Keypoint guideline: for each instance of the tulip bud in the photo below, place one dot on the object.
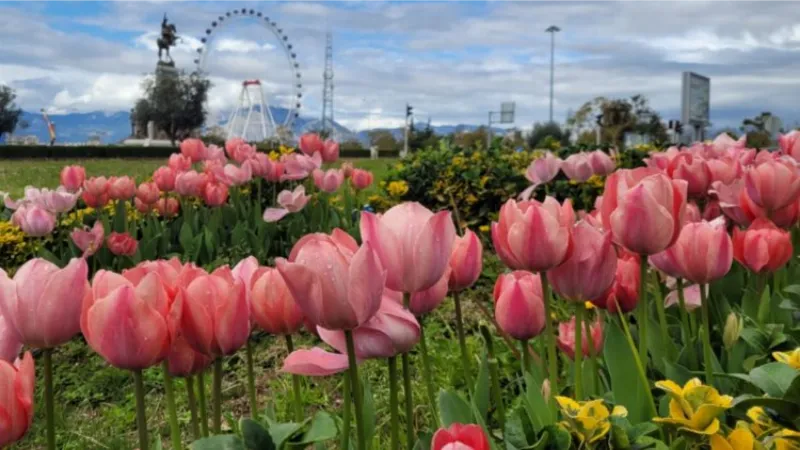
(546, 390)
(732, 330)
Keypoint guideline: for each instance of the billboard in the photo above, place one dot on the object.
(507, 112)
(695, 99)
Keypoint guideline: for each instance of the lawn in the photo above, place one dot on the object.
(16, 174)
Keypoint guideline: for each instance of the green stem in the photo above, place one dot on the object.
(593, 365)
(494, 373)
(216, 395)
(550, 336)
(639, 366)
(393, 403)
(426, 372)
(50, 417)
(526, 357)
(141, 418)
(641, 318)
(462, 342)
(409, 402)
(298, 399)
(251, 381)
(356, 387)
(579, 351)
(191, 398)
(172, 414)
(662, 317)
(687, 329)
(706, 337)
(201, 391)
(346, 413)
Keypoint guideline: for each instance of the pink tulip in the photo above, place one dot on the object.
(337, 284)
(16, 399)
(361, 179)
(72, 177)
(704, 251)
(183, 360)
(735, 203)
(725, 170)
(215, 154)
(691, 297)
(578, 167)
(347, 169)
(172, 272)
(543, 170)
(290, 202)
(533, 236)
(298, 166)
(95, 192)
(692, 213)
(315, 362)
(466, 261)
(168, 207)
(329, 180)
(519, 304)
(694, 171)
(34, 220)
(121, 188)
(660, 161)
(43, 303)
(10, 344)
(311, 143)
(179, 162)
(236, 176)
(763, 247)
(215, 194)
(601, 163)
(214, 313)
(624, 293)
(644, 210)
(259, 163)
(191, 184)
(58, 201)
(272, 305)
(143, 208)
(773, 184)
(122, 244)
(566, 338)
(724, 142)
(330, 150)
(274, 171)
(148, 193)
(241, 152)
(789, 144)
(460, 437)
(423, 302)
(590, 269)
(164, 178)
(195, 149)
(126, 322)
(414, 244)
(712, 210)
(89, 240)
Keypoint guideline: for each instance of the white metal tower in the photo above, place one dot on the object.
(252, 119)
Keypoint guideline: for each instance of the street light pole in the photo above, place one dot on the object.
(552, 29)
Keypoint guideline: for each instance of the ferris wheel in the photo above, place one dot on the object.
(277, 128)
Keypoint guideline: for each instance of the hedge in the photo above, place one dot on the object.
(103, 151)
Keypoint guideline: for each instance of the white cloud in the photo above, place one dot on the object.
(240, 46)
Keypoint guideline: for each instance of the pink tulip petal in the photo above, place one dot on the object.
(306, 288)
(366, 282)
(314, 363)
(388, 247)
(432, 249)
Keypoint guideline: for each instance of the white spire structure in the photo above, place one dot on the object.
(252, 119)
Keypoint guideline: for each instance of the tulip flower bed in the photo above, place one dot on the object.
(664, 317)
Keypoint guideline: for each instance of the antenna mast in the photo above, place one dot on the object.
(327, 90)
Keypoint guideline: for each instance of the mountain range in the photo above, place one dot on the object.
(111, 128)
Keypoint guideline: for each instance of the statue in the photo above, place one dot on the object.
(169, 38)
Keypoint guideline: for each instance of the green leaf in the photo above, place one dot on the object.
(793, 288)
(773, 378)
(658, 349)
(226, 442)
(625, 383)
(454, 409)
(368, 411)
(322, 428)
(424, 442)
(281, 432)
(561, 439)
(677, 373)
(782, 407)
(649, 442)
(120, 217)
(256, 437)
(792, 393)
(186, 238)
(514, 433)
(535, 404)
(481, 395)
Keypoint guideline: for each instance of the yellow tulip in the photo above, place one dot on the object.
(740, 438)
(694, 407)
(588, 421)
(791, 358)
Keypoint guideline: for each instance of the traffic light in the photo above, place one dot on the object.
(409, 110)
(599, 120)
(678, 127)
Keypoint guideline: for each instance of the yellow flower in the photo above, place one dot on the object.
(791, 358)
(588, 305)
(695, 407)
(274, 156)
(484, 228)
(471, 199)
(397, 188)
(596, 181)
(741, 438)
(588, 421)
(786, 440)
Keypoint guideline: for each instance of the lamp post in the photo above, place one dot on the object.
(552, 29)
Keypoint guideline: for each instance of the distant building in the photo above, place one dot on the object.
(23, 140)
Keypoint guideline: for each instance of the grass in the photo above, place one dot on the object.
(95, 406)
(16, 174)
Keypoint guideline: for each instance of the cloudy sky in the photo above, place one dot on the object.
(453, 61)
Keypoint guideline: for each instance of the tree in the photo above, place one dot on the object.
(756, 129)
(618, 116)
(174, 102)
(538, 137)
(421, 138)
(470, 139)
(384, 140)
(9, 112)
